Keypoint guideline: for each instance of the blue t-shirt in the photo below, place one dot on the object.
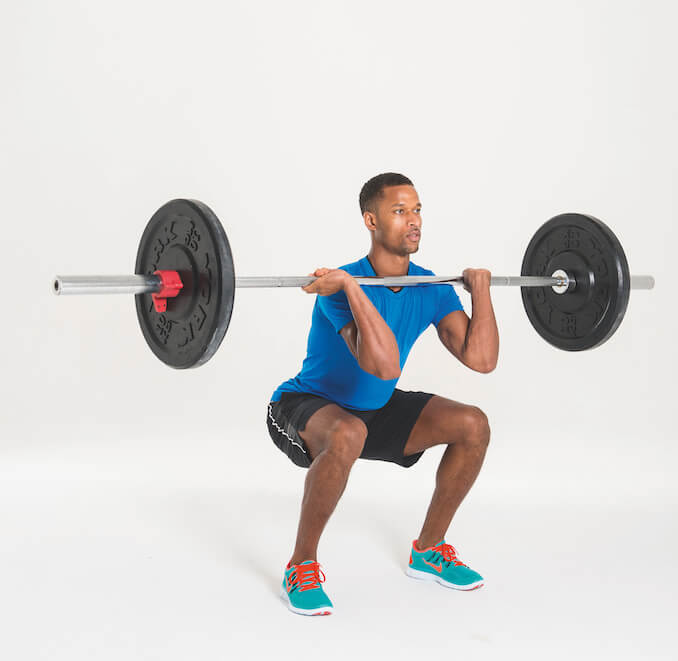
(330, 369)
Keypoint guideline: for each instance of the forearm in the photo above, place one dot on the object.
(376, 344)
(481, 346)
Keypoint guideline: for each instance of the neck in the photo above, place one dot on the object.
(386, 264)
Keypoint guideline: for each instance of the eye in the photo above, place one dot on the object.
(398, 210)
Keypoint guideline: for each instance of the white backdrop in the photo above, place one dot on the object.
(274, 114)
(503, 114)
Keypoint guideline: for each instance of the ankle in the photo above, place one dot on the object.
(423, 543)
(298, 558)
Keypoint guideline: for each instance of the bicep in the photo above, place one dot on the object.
(350, 334)
(452, 332)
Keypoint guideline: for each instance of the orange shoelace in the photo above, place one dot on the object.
(305, 577)
(449, 554)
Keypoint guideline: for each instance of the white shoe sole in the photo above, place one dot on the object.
(426, 576)
(324, 610)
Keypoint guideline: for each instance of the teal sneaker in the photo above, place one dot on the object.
(302, 592)
(440, 563)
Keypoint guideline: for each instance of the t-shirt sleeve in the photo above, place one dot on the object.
(336, 308)
(448, 301)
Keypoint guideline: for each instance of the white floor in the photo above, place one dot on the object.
(104, 557)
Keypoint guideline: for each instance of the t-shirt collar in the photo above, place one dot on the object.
(369, 271)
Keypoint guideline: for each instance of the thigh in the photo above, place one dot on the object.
(441, 421)
(390, 427)
(325, 422)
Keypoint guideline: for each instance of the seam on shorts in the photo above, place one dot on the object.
(282, 431)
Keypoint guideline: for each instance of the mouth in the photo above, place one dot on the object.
(414, 236)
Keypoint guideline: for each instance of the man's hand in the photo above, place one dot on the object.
(329, 281)
(475, 279)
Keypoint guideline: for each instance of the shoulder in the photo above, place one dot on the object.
(354, 268)
(415, 269)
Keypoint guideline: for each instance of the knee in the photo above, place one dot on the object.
(346, 439)
(477, 428)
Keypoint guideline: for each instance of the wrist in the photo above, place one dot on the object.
(349, 282)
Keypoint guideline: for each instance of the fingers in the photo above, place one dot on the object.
(465, 275)
(318, 273)
(475, 278)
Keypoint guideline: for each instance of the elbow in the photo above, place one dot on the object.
(384, 369)
(482, 365)
(387, 375)
(485, 369)
(483, 362)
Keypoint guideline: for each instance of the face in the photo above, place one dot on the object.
(396, 224)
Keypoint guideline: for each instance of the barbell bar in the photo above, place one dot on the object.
(69, 285)
(574, 282)
(144, 284)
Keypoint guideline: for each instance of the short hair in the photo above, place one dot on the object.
(374, 188)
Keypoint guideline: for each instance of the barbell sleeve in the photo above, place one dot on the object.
(642, 282)
(106, 284)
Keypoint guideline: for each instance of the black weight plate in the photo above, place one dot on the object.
(186, 236)
(587, 249)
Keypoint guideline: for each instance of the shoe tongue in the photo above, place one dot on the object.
(305, 562)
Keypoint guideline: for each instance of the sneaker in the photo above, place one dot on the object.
(440, 563)
(301, 589)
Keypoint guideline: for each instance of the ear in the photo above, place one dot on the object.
(370, 220)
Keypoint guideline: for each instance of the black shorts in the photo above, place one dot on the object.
(388, 428)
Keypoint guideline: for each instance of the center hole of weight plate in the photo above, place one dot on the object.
(562, 289)
(573, 264)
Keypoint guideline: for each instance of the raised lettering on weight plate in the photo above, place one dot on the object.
(164, 328)
(544, 253)
(189, 335)
(548, 314)
(199, 317)
(568, 324)
(538, 296)
(162, 241)
(597, 258)
(206, 289)
(571, 239)
(192, 237)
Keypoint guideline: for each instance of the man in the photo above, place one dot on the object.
(344, 405)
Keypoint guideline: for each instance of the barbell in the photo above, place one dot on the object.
(574, 281)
